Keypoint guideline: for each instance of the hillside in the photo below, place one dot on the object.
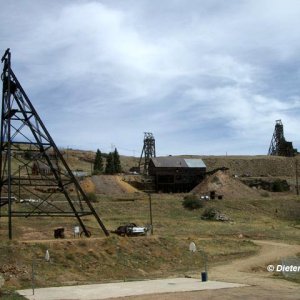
(253, 214)
(83, 260)
(254, 166)
(84, 160)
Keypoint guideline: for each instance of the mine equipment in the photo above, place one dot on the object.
(279, 146)
(59, 233)
(31, 165)
(148, 151)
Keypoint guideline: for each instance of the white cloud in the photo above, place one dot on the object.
(186, 71)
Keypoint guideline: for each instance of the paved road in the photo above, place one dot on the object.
(123, 289)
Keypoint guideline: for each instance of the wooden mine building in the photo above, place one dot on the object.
(41, 168)
(176, 174)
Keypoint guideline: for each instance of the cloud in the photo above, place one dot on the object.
(202, 76)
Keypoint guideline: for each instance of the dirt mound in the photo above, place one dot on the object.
(224, 184)
(88, 185)
(111, 184)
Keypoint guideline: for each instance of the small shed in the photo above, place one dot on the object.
(176, 174)
(80, 173)
(41, 168)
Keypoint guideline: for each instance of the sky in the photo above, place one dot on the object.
(206, 77)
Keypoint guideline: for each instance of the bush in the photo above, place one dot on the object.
(280, 186)
(97, 172)
(210, 214)
(92, 197)
(265, 194)
(70, 256)
(82, 243)
(192, 202)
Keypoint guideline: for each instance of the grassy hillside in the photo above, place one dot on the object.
(164, 254)
(258, 215)
(251, 165)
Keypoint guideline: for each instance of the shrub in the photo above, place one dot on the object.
(265, 194)
(82, 243)
(192, 202)
(70, 256)
(97, 172)
(92, 197)
(210, 213)
(280, 186)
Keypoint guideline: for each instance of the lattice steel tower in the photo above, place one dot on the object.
(279, 146)
(148, 151)
(31, 165)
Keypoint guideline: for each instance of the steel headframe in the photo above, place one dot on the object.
(279, 146)
(148, 151)
(31, 164)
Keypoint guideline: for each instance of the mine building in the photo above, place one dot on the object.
(176, 174)
(41, 168)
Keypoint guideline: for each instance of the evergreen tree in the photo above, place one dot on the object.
(109, 168)
(98, 163)
(117, 163)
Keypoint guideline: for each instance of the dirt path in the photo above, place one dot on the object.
(262, 285)
(252, 270)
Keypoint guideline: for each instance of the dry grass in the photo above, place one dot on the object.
(99, 258)
(164, 254)
(114, 258)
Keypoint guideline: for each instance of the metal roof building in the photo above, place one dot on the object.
(39, 167)
(177, 162)
(176, 174)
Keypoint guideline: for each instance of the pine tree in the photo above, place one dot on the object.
(117, 163)
(109, 168)
(98, 163)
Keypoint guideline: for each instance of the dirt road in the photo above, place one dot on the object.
(252, 271)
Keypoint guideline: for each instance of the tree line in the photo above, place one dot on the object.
(112, 166)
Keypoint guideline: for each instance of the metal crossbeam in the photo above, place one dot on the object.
(30, 161)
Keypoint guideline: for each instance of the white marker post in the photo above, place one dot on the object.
(47, 256)
(76, 231)
(193, 247)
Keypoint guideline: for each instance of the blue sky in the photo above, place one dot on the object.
(206, 77)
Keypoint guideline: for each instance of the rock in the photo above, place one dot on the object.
(214, 214)
(222, 217)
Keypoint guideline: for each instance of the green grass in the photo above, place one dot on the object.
(10, 295)
(256, 218)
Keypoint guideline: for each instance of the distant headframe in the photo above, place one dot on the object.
(279, 146)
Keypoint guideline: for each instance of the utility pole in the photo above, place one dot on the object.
(19, 191)
(297, 183)
(150, 208)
